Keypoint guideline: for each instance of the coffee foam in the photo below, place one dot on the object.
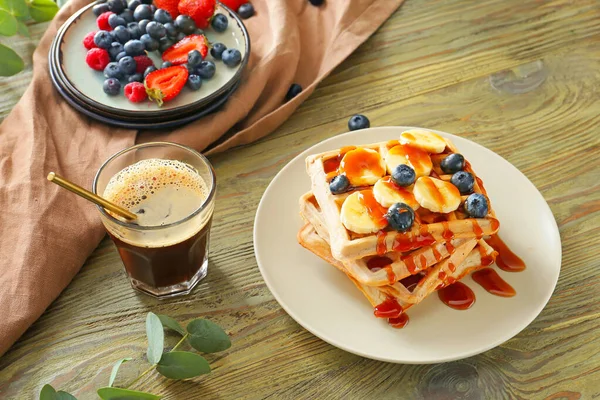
(140, 181)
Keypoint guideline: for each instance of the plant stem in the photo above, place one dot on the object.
(180, 342)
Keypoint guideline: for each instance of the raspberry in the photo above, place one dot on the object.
(88, 40)
(102, 21)
(142, 62)
(135, 92)
(97, 59)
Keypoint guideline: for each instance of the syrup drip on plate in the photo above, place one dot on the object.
(390, 308)
(493, 283)
(399, 322)
(506, 259)
(457, 295)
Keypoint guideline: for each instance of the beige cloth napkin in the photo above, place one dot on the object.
(46, 233)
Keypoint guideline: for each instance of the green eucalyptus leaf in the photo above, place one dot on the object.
(22, 29)
(48, 393)
(115, 370)
(8, 24)
(182, 365)
(10, 63)
(156, 338)
(18, 8)
(207, 337)
(42, 10)
(111, 393)
(170, 323)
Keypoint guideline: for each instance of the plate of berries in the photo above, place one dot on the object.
(145, 61)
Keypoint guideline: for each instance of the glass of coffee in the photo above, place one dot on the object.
(171, 189)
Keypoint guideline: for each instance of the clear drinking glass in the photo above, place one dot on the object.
(162, 260)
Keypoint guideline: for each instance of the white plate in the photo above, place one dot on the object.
(89, 82)
(325, 302)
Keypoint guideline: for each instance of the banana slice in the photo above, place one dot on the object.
(361, 213)
(387, 193)
(424, 140)
(362, 167)
(436, 195)
(416, 158)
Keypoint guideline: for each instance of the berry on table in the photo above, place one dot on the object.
(149, 43)
(206, 69)
(134, 30)
(102, 21)
(99, 9)
(358, 121)
(464, 181)
(112, 70)
(115, 49)
(121, 34)
(136, 78)
(142, 25)
(403, 175)
(142, 63)
(217, 50)
(120, 55)
(127, 15)
(143, 11)
(476, 205)
(231, 57)
(185, 24)
(97, 59)
(168, 5)
(166, 84)
(452, 163)
(194, 58)
(339, 184)
(400, 216)
(114, 20)
(194, 82)
(103, 39)
(293, 91)
(116, 6)
(156, 30)
(88, 40)
(127, 65)
(246, 10)
(219, 22)
(134, 48)
(135, 92)
(201, 11)
(111, 86)
(149, 70)
(172, 31)
(162, 16)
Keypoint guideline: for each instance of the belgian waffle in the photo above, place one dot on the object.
(428, 228)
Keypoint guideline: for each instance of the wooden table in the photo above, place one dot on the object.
(429, 65)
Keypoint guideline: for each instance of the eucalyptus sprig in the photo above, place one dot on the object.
(201, 334)
(13, 16)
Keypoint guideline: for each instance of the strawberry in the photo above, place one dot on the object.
(141, 63)
(201, 11)
(168, 5)
(135, 92)
(178, 53)
(88, 40)
(97, 59)
(102, 21)
(165, 84)
(234, 4)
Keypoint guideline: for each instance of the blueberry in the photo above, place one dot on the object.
(134, 30)
(464, 181)
(206, 69)
(115, 49)
(133, 4)
(142, 25)
(149, 2)
(121, 34)
(127, 65)
(185, 24)
(134, 48)
(166, 64)
(152, 8)
(136, 78)
(194, 58)
(400, 217)
(172, 31)
(162, 16)
(114, 20)
(198, 31)
(292, 92)
(358, 121)
(219, 22)
(476, 205)
(120, 55)
(194, 82)
(180, 36)
(103, 39)
(149, 43)
(231, 57)
(217, 50)
(452, 163)
(190, 70)
(316, 2)
(116, 6)
(164, 44)
(403, 175)
(100, 9)
(156, 30)
(112, 70)
(339, 184)
(127, 15)
(143, 11)
(111, 86)
(246, 11)
(149, 70)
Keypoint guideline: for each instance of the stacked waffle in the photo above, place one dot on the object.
(401, 219)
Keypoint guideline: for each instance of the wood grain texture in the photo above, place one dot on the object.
(427, 66)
